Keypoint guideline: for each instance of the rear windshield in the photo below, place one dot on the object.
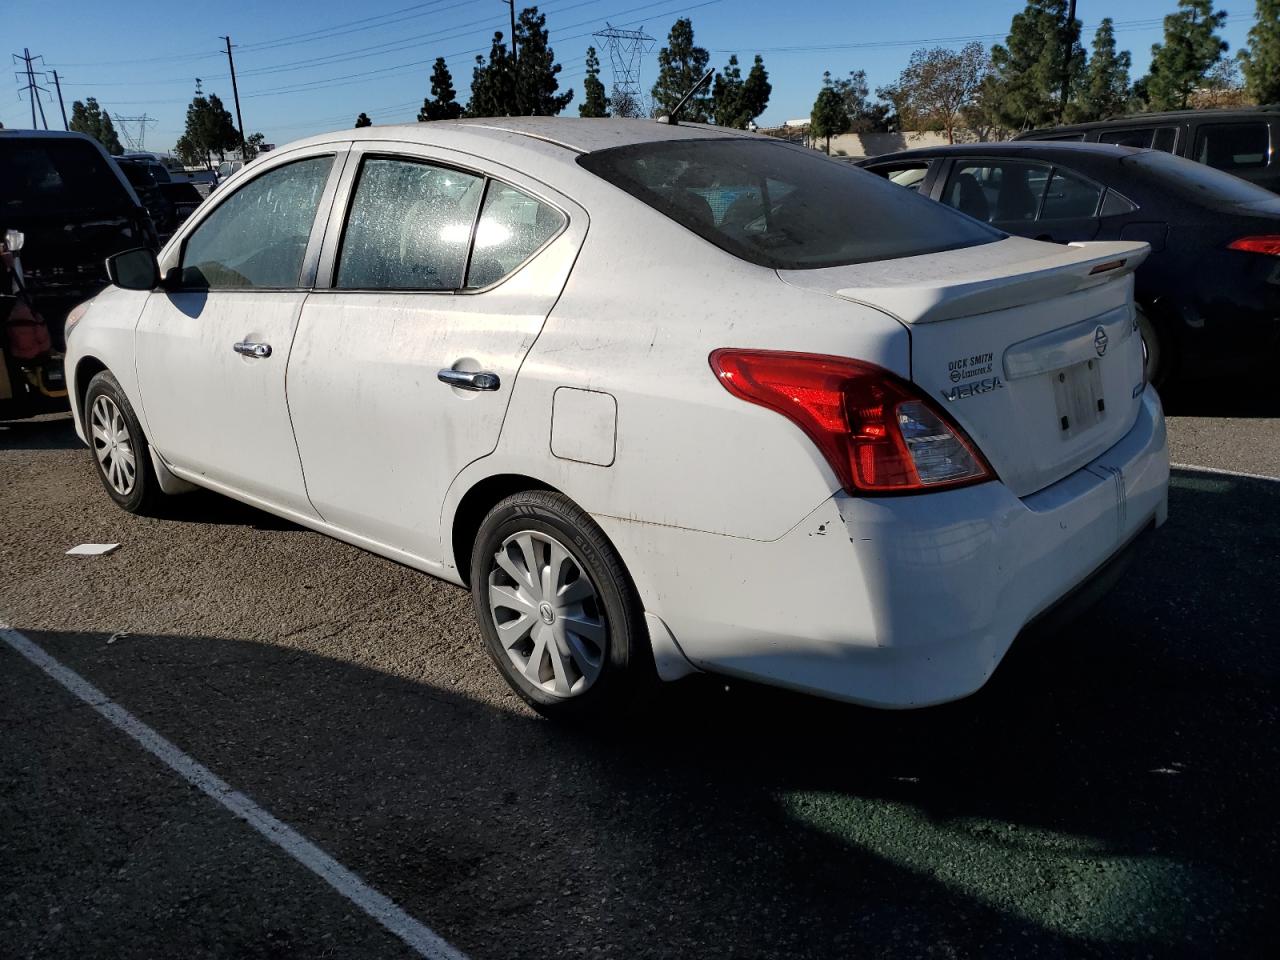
(782, 206)
(1196, 181)
(52, 176)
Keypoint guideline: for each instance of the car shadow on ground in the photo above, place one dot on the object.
(1245, 397)
(1110, 792)
(47, 432)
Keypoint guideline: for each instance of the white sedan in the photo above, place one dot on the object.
(666, 398)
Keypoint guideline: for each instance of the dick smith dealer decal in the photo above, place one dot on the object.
(969, 368)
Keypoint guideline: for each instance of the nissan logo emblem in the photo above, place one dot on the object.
(1100, 341)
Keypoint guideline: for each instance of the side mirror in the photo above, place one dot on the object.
(135, 269)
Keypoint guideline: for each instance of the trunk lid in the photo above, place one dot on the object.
(1031, 347)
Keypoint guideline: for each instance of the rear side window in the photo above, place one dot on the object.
(257, 237)
(1070, 197)
(782, 206)
(1233, 146)
(513, 225)
(409, 227)
(1115, 205)
(56, 176)
(1155, 138)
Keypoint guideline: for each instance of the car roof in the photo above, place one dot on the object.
(13, 134)
(1014, 148)
(1131, 119)
(573, 135)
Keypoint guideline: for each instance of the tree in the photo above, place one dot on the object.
(680, 66)
(1029, 71)
(253, 145)
(536, 68)
(87, 117)
(210, 130)
(493, 83)
(864, 116)
(936, 87)
(443, 103)
(1191, 47)
(1260, 61)
(594, 102)
(1105, 91)
(1223, 87)
(363, 120)
(736, 102)
(829, 117)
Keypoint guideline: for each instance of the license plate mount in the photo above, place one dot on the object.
(1077, 393)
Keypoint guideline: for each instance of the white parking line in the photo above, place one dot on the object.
(381, 908)
(1225, 473)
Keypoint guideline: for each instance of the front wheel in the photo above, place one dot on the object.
(559, 614)
(120, 451)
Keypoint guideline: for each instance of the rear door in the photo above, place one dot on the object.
(437, 269)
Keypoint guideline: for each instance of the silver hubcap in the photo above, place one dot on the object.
(113, 446)
(548, 614)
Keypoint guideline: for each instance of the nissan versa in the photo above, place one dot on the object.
(667, 398)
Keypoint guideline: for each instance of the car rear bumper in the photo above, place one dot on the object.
(904, 601)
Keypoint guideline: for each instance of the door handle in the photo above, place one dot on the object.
(466, 380)
(258, 351)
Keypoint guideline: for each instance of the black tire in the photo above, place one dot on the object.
(1157, 350)
(626, 671)
(142, 495)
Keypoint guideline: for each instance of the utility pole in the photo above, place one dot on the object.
(61, 106)
(515, 61)
(235, 93)
(1068, 49)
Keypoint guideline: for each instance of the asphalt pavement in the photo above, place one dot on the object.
(1112, 792)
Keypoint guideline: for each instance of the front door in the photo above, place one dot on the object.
(212, 348)
(435, 280)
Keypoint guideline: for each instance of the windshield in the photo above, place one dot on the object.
(53, 176)
(1196, 181)
(782, 206)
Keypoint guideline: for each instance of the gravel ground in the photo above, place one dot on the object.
(1111, 792)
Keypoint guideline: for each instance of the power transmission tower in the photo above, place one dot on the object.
(28, 73)
(627, 50)
(135, 144)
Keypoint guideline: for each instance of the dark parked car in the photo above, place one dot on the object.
(1245, 142)
(144, 177)
(1209, 292)
(74, 207)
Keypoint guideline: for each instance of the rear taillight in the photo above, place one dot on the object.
(1269, 245)
(877, 431)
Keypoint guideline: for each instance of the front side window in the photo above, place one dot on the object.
(257, 237)
(998, 191)
(1233, 146)
(1070, 197)
(513, 225)
(782, 206)
(409, 227)
(909, 175)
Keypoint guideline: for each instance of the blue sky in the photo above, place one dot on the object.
(305, 66)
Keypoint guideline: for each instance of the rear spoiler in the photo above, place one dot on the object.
(1012, 283)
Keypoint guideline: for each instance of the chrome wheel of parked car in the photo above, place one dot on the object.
(113, 446)
(548, 614)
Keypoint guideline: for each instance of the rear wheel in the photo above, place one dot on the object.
(1156, 355)
(559, 614)
(120, 451)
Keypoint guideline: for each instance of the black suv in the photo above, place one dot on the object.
(75, 209)
(1244, 142)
